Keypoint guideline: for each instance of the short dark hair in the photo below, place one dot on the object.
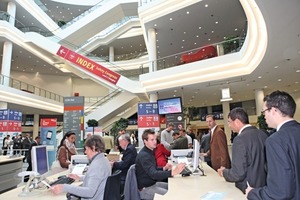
(146, 133)
(175, 133)
(240, 114)
(282, 101)
(95, 141)
(171, 124)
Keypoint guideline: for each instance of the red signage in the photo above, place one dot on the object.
(88, 65)
(48, 122)
(145, 121)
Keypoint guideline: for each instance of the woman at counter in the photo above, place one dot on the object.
(95, 179)
(66, 149)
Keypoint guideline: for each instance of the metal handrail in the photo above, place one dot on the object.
(20, 85)
(102, 101)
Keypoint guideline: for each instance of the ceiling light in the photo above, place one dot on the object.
(187, 12)
(206, 5)
(296, 82)
(195, 43)
(155, 24)
(200, 27)
(265, 86)
(279, 80)
(209, 39)
(182, 40)
(235, 29)
(259, 77)
(276, 67)
(184, 32)
(171, 19)
(197, 35)
(298, 70)
(216, 22)
(212, 31)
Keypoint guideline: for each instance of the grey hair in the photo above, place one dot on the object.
(125, 136)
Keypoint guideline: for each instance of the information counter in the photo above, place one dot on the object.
(9, 169)
(196, 187)
(37, 194)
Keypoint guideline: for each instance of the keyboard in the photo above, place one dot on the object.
(64, 180)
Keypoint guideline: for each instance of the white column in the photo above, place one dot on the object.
(111, 54)
(7, 47)
(11, 9)
(226, 110)
(259, 96)
(152, 50)
(6, 62)
(36, 119)
(153, 97)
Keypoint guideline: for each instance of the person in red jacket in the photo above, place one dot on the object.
(161, 154)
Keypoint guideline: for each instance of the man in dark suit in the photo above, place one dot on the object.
(218, 151)
(205, 146)
(128, 158)
(248, 153)
(282, 150)
(36, 142)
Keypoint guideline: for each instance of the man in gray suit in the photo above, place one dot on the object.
(248, 153)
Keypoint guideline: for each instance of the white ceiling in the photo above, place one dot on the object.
(279, 69)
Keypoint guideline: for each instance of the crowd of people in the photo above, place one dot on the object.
(256, 162)
(16, 145)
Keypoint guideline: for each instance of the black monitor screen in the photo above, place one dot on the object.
(169, 106)
(40, 159)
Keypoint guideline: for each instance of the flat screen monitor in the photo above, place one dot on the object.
(39, 159)
(196, 152)
(169, 106)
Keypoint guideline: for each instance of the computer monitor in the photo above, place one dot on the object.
(196, 152)
(39, 159)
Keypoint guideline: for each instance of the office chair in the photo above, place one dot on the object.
(131, 191)
(112, 186)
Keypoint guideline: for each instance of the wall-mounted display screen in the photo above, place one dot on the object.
(169, 106)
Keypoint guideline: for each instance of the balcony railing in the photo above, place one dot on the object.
(16, 84)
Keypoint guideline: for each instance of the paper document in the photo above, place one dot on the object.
(213, 196)
(78, 169)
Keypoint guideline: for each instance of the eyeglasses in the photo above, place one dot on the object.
(263, 112)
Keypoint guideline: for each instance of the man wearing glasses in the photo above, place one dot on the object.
(282, 150)
(248, 153)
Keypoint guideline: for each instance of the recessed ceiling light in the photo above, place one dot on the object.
(276, 67)
(184, 32)
(200, 27)
(209, 39)
(265, 86)
(298, 70)
(216, 22)
(279, 80)
(195, 43)
(187, 12)
(259, 77)
(175, 90)
(155, 24)
(182, 47)
(296, 82)
(197, 35)
(206, 5)
(182, 40)
(171, 19)
(212, 31)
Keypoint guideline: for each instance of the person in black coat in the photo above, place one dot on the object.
(36, 142)
(248, 153)
(128, 158)
(282, 150)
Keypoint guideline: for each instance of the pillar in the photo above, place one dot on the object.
(152, 50)
(7, 47)
(36, 127)
(226, 110)
(259, 96)
(111, 54)
(153, 97)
